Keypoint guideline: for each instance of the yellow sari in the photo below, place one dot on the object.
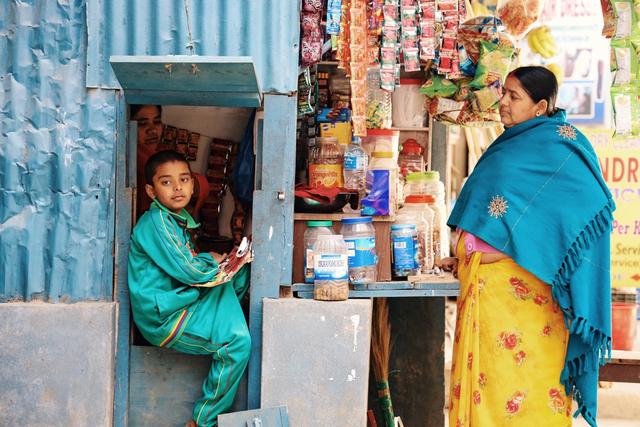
(509, 348)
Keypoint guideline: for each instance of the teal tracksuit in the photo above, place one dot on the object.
(171, 313)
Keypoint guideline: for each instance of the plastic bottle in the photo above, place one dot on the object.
(416, 210)
(355, 167)
(330, 268)
(314, 229)
(382, 182)
(435, 187)
(404, 249)
(360, 237)
(410, 159)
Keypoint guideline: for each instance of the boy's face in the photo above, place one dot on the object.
(172, 185)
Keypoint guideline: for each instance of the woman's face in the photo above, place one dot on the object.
(515, 105)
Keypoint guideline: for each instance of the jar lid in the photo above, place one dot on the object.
(357, 220)
(382, 132)
(411, 146)
(403, 226)
(323, 223)
(382, 154)
(420, 198)
(432, 175)
(410, 82)
(416, 176)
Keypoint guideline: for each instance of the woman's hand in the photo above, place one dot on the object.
(450, 264)
(218, 257)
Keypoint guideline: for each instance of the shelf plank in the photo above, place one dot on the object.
(393, 293)
(337, 217)
(411, 129)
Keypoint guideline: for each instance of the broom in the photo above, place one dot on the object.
(380, 351)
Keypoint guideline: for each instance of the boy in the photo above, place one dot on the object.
(168, 311)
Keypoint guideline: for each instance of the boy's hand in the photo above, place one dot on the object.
(450, 264)
(218, 257)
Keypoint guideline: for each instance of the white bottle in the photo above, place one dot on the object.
(355, 166)
(435, 187)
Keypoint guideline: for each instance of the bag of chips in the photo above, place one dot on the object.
(438, 86)
(493, 64)
(519, 15)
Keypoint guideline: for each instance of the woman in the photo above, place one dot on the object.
(533, 262)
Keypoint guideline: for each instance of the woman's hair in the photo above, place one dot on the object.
(539, 83)
(134, 108)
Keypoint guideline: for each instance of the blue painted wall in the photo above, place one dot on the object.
(58, 129)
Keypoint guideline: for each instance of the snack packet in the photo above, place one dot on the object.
(626, 107)
(493, 64)
(519, 15)
(438, 86)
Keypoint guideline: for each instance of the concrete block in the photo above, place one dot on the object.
(57, 364)
(315, 360)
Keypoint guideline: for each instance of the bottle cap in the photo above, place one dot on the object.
(403, 226)
(357, 220)
(420, 198)
(323, 223)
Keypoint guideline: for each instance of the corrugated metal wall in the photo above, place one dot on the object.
(56, 158)
(57, 137)
(267, 30)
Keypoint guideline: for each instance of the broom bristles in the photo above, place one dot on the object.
(381, 339)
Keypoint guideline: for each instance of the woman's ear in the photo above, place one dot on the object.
(151, 192)
(542, 106)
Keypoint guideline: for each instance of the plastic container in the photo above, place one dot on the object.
(623, 325)
(415, 183)
(325, 164)
(360, 237)
(330, 268)
(433, 186)
(382, 185)
(404, 241)
(386, 140)
(410, 159)
(314, 229)
(409, 108)
(355, 167)
(416, 210)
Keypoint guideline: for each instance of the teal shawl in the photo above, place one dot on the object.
(537, 194)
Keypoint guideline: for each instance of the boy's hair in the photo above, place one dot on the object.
(160, 158)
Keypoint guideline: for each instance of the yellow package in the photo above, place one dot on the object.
(340, 130)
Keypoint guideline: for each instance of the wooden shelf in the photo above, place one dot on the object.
(337, 217)
(411, 129)
(436, 286)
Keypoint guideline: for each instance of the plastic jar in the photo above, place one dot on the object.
(325, 164)
(360, 237)
(416, 210)
(409, 108)
(410, 159)
(403, 249)
(433, 186)
(314, 229)
(330, 268)
(381, 140)
(415, 183)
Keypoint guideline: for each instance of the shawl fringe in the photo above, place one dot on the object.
(597, 340)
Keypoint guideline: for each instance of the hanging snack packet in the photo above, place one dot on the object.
(334, 11)
(626, 108)
(625, 22)
(493, 64)
(169, 135)
(411, 60)
(625, 60)
(610, 18)
(182, 141)
(313, 6)
(304, 93)
(486, 98)
(519, 15)
(438, 86)
(192, 150)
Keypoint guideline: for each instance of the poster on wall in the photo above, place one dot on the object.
(620, 164)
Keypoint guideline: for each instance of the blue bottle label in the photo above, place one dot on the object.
(330, 267)
(403, 253)
(362, 251)
(353, 163)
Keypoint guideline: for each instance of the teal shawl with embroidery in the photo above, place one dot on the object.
(537, 194)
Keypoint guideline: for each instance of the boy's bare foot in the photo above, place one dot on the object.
(191, 423)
